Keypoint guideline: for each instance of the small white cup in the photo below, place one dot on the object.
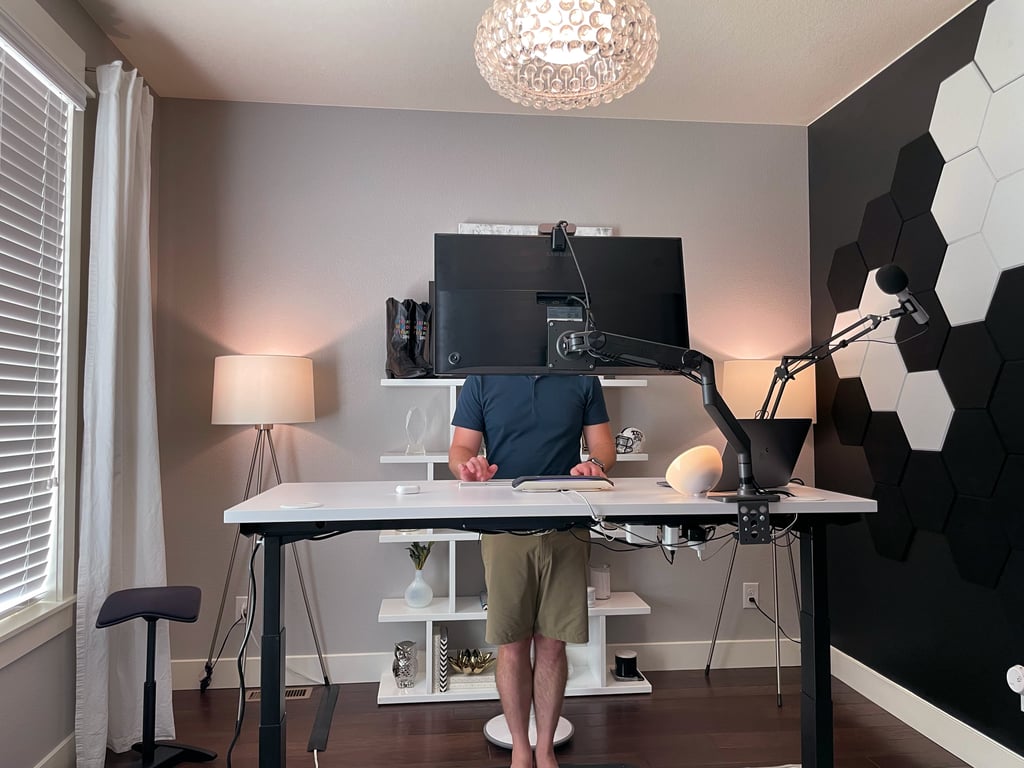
(591, 596)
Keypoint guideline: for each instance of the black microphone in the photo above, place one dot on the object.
(893, 280)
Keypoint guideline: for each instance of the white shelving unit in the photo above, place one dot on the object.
(432, 458)
(590, 668)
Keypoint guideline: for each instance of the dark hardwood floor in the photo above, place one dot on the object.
(729, 721)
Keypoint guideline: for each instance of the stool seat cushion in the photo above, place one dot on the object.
(171, 603)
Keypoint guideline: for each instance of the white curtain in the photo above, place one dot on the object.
(121, 523)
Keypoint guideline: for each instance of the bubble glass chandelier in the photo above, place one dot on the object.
(566, 54)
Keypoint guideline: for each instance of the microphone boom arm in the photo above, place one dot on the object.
(791, 365)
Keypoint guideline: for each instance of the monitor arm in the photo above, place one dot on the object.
(694, 365)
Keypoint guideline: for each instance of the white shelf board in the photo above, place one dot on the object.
(620, 604)
(605, 382)
(622, 457)
(397, 457)
(422, 382)
(425, 534)
(466, 609)
(394, 609)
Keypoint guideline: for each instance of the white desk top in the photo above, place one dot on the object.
(377, 500)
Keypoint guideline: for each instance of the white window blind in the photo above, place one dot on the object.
(34, 141)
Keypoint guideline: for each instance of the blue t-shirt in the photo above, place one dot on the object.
(531, 424)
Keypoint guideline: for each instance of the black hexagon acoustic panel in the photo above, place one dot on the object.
(846, 277)
(1005, 318)
(879, 231)
(928, 490)
(918, 168)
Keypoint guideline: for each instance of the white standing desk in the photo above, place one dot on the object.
(295, 511)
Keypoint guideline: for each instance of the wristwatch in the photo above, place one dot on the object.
(597, 461)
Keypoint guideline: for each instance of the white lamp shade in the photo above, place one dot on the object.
(262, 389)
(745, 384)
(694, 472)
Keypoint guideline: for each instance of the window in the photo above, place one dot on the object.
(38, 237)
(34, 140)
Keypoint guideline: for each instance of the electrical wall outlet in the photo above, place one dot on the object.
(241, 606)
(750, 597)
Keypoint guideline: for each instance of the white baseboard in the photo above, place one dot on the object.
(367, 667)
(62, 756)
(968, 744)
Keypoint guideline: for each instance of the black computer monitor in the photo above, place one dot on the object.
(494, 297)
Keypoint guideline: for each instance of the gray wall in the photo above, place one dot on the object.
(283, 229)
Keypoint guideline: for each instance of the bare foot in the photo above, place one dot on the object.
(546, 760)
(522, 758)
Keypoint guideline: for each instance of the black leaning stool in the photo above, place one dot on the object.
(153, 604)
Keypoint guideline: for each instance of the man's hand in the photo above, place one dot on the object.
(587, 469)
(477, 470)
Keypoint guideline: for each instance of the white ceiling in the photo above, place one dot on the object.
(783, 62)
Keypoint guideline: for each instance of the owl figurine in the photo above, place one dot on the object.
(404, 667)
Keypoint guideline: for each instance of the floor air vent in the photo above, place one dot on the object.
(302, 692)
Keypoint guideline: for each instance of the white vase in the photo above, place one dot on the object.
(418, 594)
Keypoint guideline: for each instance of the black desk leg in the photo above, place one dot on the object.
(272, 715)
(816, 735)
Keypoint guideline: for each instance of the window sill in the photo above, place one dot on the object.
(29, 629)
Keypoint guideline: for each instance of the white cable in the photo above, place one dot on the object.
(787, 529)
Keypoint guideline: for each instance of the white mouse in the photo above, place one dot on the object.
(403, 490)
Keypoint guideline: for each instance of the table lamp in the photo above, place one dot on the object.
(261, 390)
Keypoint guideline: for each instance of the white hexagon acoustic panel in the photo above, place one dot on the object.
(1004, 225)
(925, 410)
(962, 196)
(959, 112)
(882, 375)
(1000, 55)
(1000, 139)
(873, 301)
(849, 360)
(967, 280)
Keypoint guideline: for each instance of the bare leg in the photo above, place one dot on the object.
(549, 676)
(514, 677)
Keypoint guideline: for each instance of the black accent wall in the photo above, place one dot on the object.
(930, 592)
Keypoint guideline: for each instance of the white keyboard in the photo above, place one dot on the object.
(535, 483)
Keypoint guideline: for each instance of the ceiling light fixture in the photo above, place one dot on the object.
(566, 54)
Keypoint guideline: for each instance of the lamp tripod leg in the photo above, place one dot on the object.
(721, 606)
(309, 613)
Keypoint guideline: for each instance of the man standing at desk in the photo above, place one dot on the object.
(536, 585)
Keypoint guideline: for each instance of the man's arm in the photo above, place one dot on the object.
(463, 456)
(600, 445)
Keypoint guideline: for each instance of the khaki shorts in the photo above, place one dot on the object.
(536, 585)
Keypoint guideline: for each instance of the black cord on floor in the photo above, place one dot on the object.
(773, 622)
